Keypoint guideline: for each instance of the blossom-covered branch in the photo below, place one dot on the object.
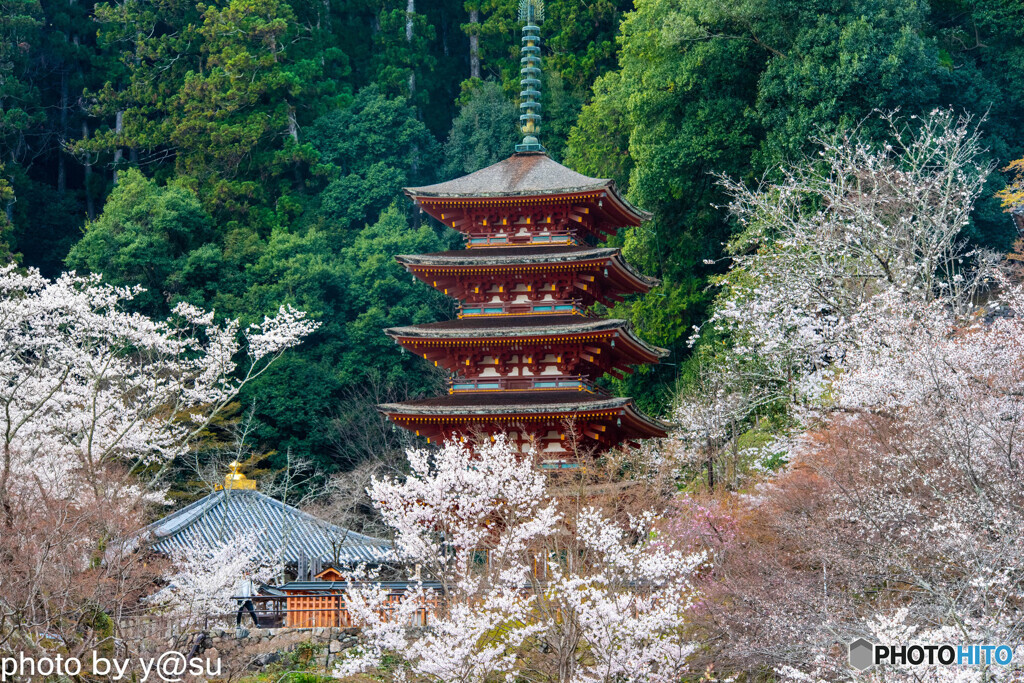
(528, 588)
(84, 382)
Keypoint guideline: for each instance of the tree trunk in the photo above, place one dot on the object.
(324, 26)
(474, 44)
(293, 133)
(90, 203)
(410, 11)
(75, 40)
(118, 152)
(734, 476)
(444, 33)
(62, 182)
(9, 208)
(5, 500)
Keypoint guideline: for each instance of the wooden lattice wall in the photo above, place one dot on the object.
(310, 611)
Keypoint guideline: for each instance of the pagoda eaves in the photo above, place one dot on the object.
(528, 199)
(538, 352)
(589, 274)
(528, 417)
(506, 330)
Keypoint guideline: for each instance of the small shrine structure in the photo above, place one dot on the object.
(526, 347)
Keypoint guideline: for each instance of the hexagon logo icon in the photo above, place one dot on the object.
(861, 654)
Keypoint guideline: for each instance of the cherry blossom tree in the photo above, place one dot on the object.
(85, 383)
(898, 628)
(900, 516)
(453, 506)
(529, 587)
(825, 246)
(711, 414)
(205, 578)
(831, 233)
(95, 403)
(895, 353)
(65, 571)
(949, 390)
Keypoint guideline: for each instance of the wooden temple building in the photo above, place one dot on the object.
(312, 551)
(526, 348)
(301, 543)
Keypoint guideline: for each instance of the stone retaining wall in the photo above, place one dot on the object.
(252, 649)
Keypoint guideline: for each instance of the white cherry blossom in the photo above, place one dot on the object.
(570, 594)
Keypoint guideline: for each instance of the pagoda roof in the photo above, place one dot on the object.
(522, 326)
(513, 404)
(509, 401)
(502, 255)
(525, 174)
(512, 256)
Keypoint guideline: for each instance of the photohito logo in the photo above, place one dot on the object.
(864, 654)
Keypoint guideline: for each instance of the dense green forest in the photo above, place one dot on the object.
(243, 154)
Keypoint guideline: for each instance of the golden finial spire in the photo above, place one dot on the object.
(237, 480)
(531, 12)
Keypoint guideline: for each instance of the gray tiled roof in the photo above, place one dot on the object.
(520, 174)
(522, 326)
(517, 403)
(524, 255)
(510, 326)
(285, 532)
(499, 402)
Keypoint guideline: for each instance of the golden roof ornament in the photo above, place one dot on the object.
(237, 480)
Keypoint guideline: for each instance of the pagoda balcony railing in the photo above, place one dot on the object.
(535, 383)
(573, 307)
(486, 239)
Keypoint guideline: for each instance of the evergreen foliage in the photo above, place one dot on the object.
(147, 235)
(741, 86)
(243, 154)
(486, 117)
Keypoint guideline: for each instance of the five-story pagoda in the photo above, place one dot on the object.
(525, 349)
